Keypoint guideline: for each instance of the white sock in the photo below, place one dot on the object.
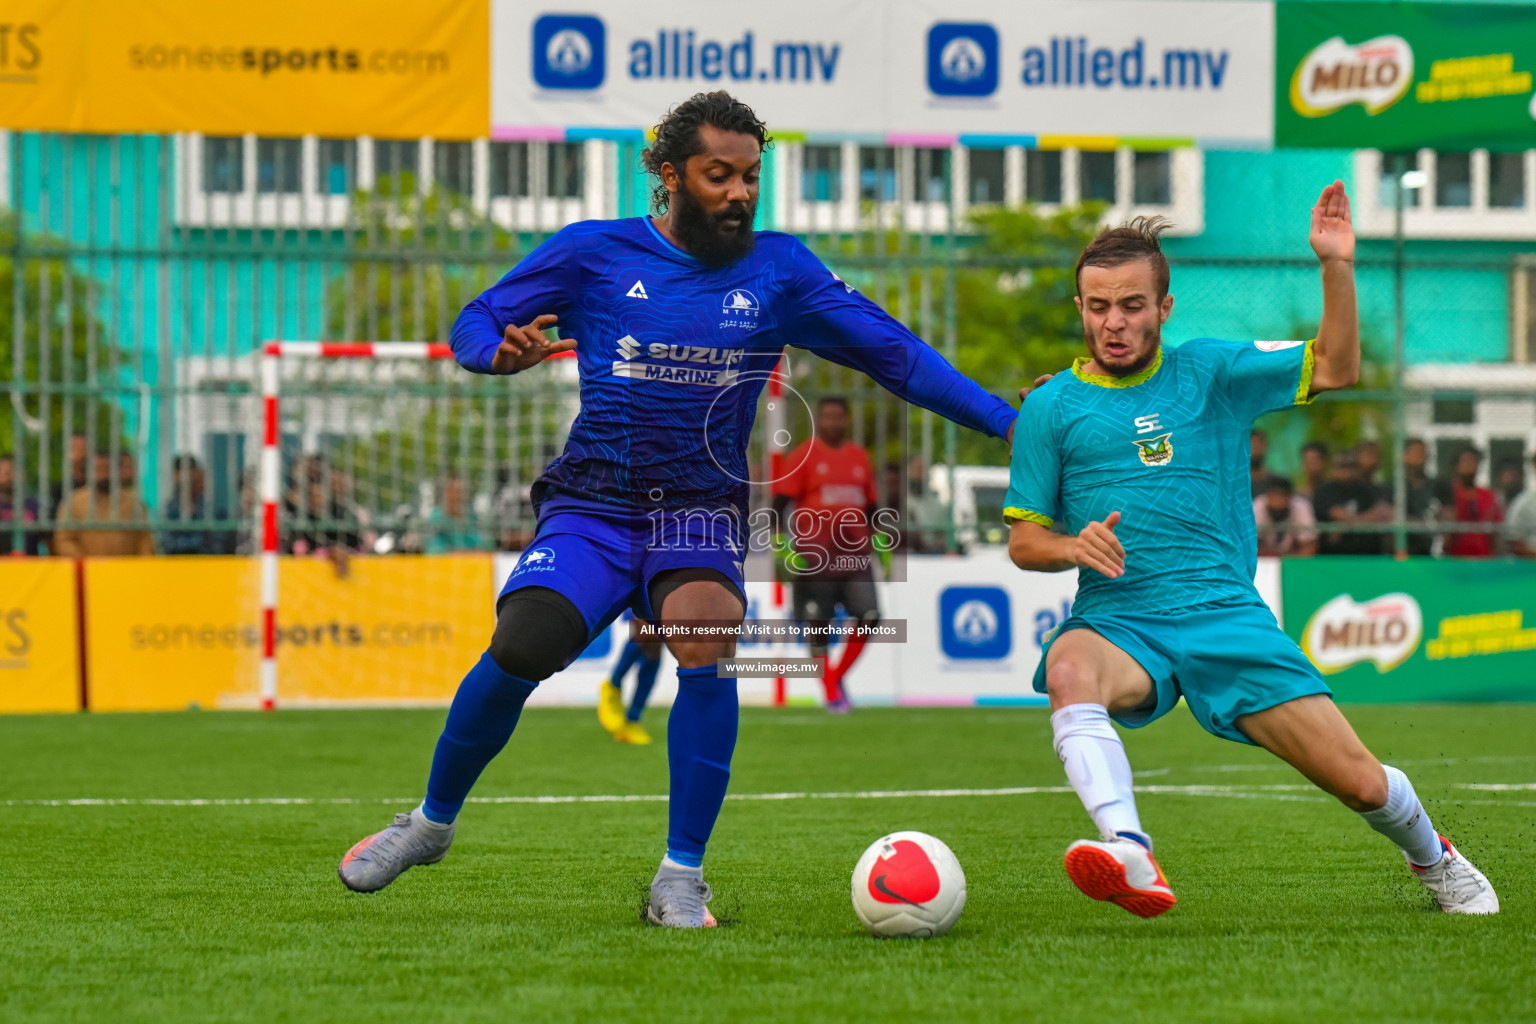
(1094, 757)
(1404, 820)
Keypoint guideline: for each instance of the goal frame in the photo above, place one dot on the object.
(269, 472)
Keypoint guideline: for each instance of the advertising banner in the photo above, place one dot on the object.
(39, 635)
(388, 68)
(168, 633)
(1405, 75)
(1419, 630)
(910, 71)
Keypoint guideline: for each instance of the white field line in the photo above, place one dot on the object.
(1300, 792)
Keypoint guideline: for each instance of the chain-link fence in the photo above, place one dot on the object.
(143, 272)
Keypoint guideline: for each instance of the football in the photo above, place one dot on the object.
(908, 885)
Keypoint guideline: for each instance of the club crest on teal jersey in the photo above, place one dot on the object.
(1156, 451)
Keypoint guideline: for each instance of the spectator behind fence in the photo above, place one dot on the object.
(450, 526)
(1369, 454)
(79, 461)
(10, 513)
(1346, 498)
(1285, 521)
(1423, 495)
(1520, 522)
(96, 503)
(1259, 474)
(1469, 503)
(187, 480)
(1508, 483)
(1314, 469)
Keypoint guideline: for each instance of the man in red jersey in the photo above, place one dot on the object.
(831, 483)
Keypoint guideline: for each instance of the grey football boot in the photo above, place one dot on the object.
(378, 860)
(678, 897)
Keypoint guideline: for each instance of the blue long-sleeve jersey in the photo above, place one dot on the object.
(673, 355)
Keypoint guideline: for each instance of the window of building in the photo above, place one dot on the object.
(335, 166)
(1152, 179)
(453, 166)
(877, 173)
(394, 159)
(1453, 179)
(223, 164)
(1506, 180)
(930, 175)
(1469, 195)
(1042, 176)
(509, 169)
(566, 169)
(1096, 177)
(986, 176)
(821, 174)
(277, 165)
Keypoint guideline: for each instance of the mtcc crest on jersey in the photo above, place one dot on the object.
(740, 309)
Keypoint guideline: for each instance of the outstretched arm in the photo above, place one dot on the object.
(1336, 352)
(839, 324)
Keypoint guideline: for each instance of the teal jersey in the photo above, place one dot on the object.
(1168, 449)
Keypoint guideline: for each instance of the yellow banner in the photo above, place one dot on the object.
(386, 68)
(169, 633)
(39, 637)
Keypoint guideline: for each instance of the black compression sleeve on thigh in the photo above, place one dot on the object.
(538, 630)
(664, 583)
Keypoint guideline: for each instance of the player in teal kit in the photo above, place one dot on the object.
(1141, 454)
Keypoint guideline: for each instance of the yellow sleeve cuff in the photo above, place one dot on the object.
(1026, 516)
(1308, 362)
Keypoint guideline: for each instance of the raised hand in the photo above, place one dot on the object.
(1333, 233)
(522, 347)
(1098, 548)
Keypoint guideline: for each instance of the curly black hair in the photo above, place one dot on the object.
(677, 134)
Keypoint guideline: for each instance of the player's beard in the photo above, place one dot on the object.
(1152, 336)
(700, 232)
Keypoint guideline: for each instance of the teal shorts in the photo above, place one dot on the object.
(1226, 661)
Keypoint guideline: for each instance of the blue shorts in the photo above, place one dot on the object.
(603, 558)
(1226, 661)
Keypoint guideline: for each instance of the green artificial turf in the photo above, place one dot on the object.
(1290, 909)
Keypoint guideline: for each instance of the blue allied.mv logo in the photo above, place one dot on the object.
(569, 51)
(975, 623)
(962, 59)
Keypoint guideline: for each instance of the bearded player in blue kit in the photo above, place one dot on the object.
(1143, 453)
(677, 322)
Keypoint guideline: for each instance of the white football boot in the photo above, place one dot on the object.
(1459, 887)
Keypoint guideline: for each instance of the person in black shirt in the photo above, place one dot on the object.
(1424, 495)
(187, 481)
(1346, 498)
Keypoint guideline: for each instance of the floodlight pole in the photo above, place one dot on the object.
(1399, 413)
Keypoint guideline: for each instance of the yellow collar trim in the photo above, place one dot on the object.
(1103, 380)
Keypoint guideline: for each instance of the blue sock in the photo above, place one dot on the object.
(627, 659)
(701, 736)
(480, 721)
(645, 681)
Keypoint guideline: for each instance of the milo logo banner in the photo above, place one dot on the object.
(1419, 630)
(1405, 75)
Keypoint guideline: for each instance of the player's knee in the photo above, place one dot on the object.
(1365, 789)
(1068, 682)
(538, 632)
